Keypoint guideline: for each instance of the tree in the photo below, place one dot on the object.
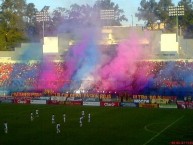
(186, 21)
(108, 5)
(30, 15)
(147, 12)
(86, 15)
(12, 26)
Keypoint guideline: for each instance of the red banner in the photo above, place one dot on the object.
(26, 94)
(184, 105)
(109, 104)
(74, 103)
(53, 102)
(21, 101)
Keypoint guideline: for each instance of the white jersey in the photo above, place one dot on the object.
(6, 127)
(32, 116)
(57, 128)
(53, 119)
(81, 118)
(37, 113)
(64, 117)
(82, 113)
(89, 117)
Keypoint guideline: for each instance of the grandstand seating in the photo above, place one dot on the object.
(161, 74)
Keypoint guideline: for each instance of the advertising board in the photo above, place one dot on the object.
(90, 99)
(185, 105)
(45, 98)
(128, 104)
(37, 101)
(109, 104)
(53, 102)
(168, 106)
(78, 103)
(21, 101)
(160, 101)
(6, 99)
(91, 103)
(141, 101)
(143, 105)
(58, 98)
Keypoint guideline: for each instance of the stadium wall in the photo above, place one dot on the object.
(166, 102)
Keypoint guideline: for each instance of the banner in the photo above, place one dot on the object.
(189, 105)
(91, 103)
(109, 104)
(185, 105)
(160, 101)
(37, 101)
(141, 101)
(168, 106)
(21, 101)
(78, 103)
(140, 97)
(53, 102)
(128, 104)
(74, 99)
(26, 94)
(45, 98)
(90, 99)
(143, 105)
(56, 98)
(8, 100)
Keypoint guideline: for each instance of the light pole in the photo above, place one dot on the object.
(132, 20)
(176, 11)
(42, 17)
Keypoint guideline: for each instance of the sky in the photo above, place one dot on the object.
(129, 6)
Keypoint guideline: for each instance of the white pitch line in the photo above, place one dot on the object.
(162, 131)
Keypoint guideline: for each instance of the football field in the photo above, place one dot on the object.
(108, 126)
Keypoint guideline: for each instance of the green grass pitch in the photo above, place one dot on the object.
(108, 126)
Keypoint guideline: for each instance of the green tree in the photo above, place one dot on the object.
(186, 21)
(108, 5)
(12, 26)
(86, 15)
(147, 12)
(162, 12)
(31, 27)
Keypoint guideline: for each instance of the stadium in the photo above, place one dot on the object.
(135, 86)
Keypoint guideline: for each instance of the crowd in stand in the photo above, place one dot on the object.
(168, 74)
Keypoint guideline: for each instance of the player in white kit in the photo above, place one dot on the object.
(83, 114)
(89, 117)
(32, 116)
(5, 127)
(53, 118)
(64, 118)
(37, 113)
(57, 128)
(81, 118)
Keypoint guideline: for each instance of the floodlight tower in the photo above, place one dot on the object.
(176, 11)
(43, 17)
(107, 15)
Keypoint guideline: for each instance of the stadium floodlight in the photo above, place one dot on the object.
(107, 15)
(42, 17)
(176, 11)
